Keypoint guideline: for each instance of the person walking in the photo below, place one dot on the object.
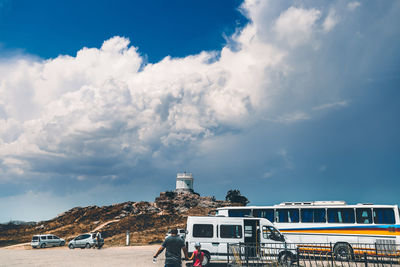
(197, 256)
(98, 236)
(173, 245)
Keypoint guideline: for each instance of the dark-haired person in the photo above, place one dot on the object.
(173, 245)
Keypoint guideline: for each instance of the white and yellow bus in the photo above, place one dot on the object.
(333, 222)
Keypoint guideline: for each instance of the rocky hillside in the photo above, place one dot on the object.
(146, 221)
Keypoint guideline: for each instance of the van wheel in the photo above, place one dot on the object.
(43, 245)
(71, 246)
(286, 259)
(206, 259)
(87, 245)
(343, 252)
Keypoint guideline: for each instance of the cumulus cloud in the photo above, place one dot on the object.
(91, 113)
(295, 26)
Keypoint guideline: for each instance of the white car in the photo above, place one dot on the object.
(181, 232)
(43, 241)
(87, 240)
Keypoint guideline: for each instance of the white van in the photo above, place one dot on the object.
(214, 233)
(43, 241)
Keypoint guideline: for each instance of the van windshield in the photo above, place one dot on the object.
(270, 232)
(35, 238)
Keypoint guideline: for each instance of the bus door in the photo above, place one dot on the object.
(252, 236)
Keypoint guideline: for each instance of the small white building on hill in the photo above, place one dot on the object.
(184, 182)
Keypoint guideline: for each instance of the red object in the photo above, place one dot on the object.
(198, 258)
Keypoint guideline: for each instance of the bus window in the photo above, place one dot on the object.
(319, 215)
(384, 216)
(287, 215)
(341, 215)
(239, 212)
(313, 215)
(203, 230)
(364, 215)
(231, 231)
(264, 213)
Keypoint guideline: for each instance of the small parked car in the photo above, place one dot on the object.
(87, 240)
(181, 232)
(43, 241)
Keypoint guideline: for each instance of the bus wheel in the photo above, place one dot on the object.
(342, 252)
(285, 259)
(206, 259)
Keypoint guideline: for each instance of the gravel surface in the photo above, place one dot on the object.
(114, 256)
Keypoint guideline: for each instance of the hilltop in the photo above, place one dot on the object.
(147, 222)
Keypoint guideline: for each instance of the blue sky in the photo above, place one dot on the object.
(103, 102)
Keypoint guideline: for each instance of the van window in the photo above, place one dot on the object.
(287, 215)
(55, 237)
(384, 216)
(203, 230)
(50, 237)
(313, 215)
(35, 238)
(231, 231)
(264, 213)
(43, 237)
(239, 212)
(270, 232)
(363, 215)
(341, 215)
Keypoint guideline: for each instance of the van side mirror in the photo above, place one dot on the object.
(281, 238)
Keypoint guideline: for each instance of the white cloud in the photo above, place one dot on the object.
(106, 105)
(330, 21)
(342, 103)
(295, 26)
(293, 117)
(353, 5)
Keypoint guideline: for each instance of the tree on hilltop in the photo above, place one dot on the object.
(234, 196)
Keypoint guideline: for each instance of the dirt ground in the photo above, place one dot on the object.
(114, 256)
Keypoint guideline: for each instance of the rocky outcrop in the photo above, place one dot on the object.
(181, 202)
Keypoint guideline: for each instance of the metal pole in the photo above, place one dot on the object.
(127, 237)
(365, 259)
(247, 254)
(227, 252)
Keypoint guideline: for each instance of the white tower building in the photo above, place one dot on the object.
(184, 182)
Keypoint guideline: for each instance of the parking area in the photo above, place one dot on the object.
(114, 256)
